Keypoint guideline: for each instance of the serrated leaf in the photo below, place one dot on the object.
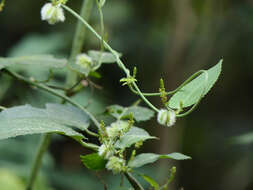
(38, 60)
(102, 57)
(139, 113)
(147, 158)
(93, 161)
(28, 126)
(68, 115)
(151, 182)
(27, 120)
(191, 92)
(133, 136)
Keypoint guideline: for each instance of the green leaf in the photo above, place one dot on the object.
(116, 111)
(80, 69)
(27, 120)
(102, 57)
(68, 115)
(139, 113)
(176, 156)
(38, 60)
(191, 92)
(84, 70)
(147, 158)
(28, 126)
(95, 74)
(151, 182)
(133, 136)
(143, 159)
(93, 161)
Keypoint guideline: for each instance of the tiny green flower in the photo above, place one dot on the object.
(106, 150)
(116, 164)
(52, 13)
(84, 60)
(166, 117)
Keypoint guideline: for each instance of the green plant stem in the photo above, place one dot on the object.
(45, 141)
(101, 24)
(174, 91)
(135, 184)
(115, 53)
(54, 92)
(91, 133)
(79, 39)
(57, 87)
(89, 145)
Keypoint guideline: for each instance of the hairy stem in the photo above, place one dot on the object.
(45, 141)
(79, 39)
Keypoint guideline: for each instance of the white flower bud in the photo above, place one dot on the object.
(52, 13)
(84, 60)
(116, 164)
(106, 150)
(166, 117)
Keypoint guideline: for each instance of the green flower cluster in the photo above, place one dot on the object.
(108, 137)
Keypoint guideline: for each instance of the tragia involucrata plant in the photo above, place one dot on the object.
(116, 138)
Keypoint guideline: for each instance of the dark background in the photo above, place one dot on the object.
(167, 38)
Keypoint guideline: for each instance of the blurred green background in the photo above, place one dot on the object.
(164, 38)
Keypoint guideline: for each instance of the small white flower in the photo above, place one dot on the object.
(106, 150)
(116, 164)
(52, 13)
(84, 60)
(117, 129)
(166, 117)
